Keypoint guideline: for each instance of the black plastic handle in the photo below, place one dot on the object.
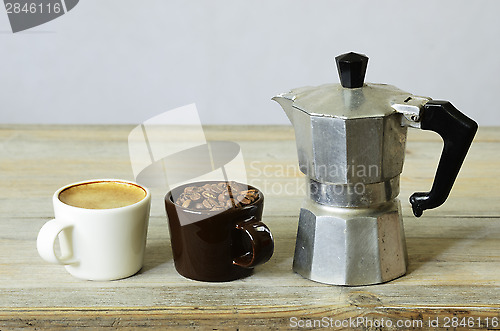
(457, 131)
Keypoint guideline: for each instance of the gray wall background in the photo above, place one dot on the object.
(124, 61)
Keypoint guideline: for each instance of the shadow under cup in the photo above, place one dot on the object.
(217, 246)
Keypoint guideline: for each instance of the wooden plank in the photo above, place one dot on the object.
(48, 162)
(453, 250)
(455, 253)
(175, 318)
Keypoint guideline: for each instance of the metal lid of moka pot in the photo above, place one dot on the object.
(352, 99)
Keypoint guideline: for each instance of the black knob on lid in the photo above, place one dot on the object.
(352, 69)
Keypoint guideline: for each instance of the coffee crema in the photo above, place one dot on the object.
(102, 195)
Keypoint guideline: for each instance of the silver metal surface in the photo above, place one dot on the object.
(351, 145)
(411, 109)
(357, 195)
(339, 151)
(350, 246)
(332, 100)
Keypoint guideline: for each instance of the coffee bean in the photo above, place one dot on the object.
(215, 188)
(250, 192)
(180, 200)
(208, 195)
(246, 201)
(252, 196)
(194, 196)
(237, 187)
(207, 204)
(186, 203)
(223, 197)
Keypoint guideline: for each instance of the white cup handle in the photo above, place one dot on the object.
(46, 240)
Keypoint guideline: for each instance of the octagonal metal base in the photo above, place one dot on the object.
(350, 246)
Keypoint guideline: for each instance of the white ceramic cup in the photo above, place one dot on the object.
(97, 244)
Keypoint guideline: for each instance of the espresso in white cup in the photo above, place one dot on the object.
(101, 226)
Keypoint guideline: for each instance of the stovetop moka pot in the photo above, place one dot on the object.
(351, 141)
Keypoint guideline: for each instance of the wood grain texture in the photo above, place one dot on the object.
(454, 251)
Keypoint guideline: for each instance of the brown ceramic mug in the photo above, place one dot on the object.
(220, 245)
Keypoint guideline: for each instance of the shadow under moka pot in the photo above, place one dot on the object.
(351, 144)
(220, 244)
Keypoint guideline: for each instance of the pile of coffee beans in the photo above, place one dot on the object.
(216, 196)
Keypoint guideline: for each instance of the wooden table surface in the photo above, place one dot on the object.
(454, 251)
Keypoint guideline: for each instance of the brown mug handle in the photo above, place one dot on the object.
(262, 243)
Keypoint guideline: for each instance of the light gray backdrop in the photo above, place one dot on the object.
(124, 61)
